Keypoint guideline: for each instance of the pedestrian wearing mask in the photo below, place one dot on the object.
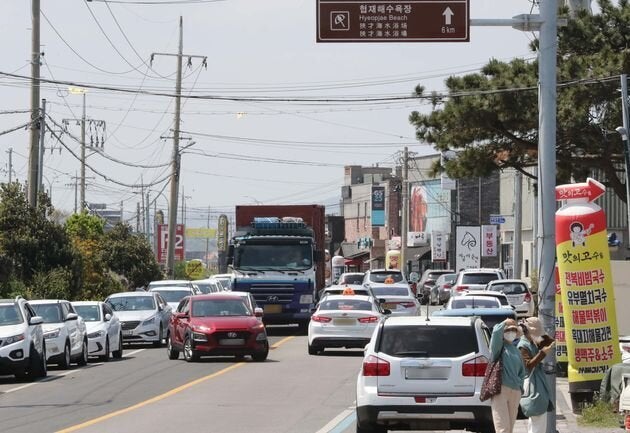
(505, 404)
(536, 400)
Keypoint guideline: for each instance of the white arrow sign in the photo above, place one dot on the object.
(448, 13)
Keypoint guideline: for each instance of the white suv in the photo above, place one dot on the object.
(64, 331)
(421, 374)
(475, 279)
(22, 347)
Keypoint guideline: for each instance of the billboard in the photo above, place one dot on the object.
(162, 243)
(489, 237)
(378, 206)
(467, 247)
(439, 246)
(222, 233)
(429, 208)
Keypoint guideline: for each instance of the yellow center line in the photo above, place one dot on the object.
(167, 394)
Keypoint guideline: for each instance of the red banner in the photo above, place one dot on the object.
(162, 243)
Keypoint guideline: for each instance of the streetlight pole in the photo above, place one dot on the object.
(623, 131)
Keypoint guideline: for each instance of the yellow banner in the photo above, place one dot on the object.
(561, 341)
(202, 233)
(588, 298)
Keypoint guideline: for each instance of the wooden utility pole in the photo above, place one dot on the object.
(33, 155)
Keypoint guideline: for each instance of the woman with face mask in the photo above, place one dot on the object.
(505, 404)
(536, 400)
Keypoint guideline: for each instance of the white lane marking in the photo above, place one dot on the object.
(132, 353)
(47, 379)
(337, 420)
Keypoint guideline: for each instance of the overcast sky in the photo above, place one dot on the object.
(255, 48)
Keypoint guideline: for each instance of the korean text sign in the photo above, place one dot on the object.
(588, 299)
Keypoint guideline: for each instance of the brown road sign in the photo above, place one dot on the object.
(393, 21)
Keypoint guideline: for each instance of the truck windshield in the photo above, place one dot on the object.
(274, 256)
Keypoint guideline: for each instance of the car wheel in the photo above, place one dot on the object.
(170, 352)
(83, 359)
(314, 350)
(117, 354)
(42, 367)
(105, 358)
(65, 361)
(262, 355)
(158, 343)
(190, 355)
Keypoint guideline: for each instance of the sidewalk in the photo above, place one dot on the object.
(566, 421)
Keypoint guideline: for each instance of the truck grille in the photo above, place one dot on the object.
(272, 293)
(126, 326)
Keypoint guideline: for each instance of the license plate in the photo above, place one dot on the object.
(272, 309)
(232, 342)
(127, 333)
(390, 306)
(344, 322)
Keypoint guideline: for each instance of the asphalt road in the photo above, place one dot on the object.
(146, 392)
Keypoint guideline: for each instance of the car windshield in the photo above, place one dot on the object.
(446, 279)
(219, 307)
(51, 313)
(89, 313)
(384, 277)
(207, 287)
(390, 291)
(225, 283)
(169, 284)
(493, 319)
(10, 315)
(435, 275)
(428, 341)
(351, 279)
(474, 302)
(274, 256)
(510, 288)
(502, 299)
(479, 278)
(172, 295)
(132, 303)
(346, 304)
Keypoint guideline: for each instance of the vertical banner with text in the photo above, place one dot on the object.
(588, 299)
(468, 247)
(378, 206)
(439, 246)
(561, 340)
(162, 243)
(489, 237)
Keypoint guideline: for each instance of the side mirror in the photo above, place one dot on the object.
(313, 310)
(381, 301)
(108, 317)
(181, 315)
(258, 312)
(72, 316)
(36, 320)
(387, 312)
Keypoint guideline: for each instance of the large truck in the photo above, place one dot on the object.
(277, 254)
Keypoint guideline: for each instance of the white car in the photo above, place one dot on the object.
(209, 285)
(518, 295)
(172, 295)
(103, 328)
(169, 283)
(475, 279)
(64, 331)
(144, 316)
(503, 300)
(22, 346)
(339, 290)
(343, 321)
(398, 298)
(460, 302)
(381, 276)
(225, 280)
(351, 279)
(421, 374)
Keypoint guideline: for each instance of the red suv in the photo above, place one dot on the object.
(217, 324)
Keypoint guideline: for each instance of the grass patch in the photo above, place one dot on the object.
(599, 414)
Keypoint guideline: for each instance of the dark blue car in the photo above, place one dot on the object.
(490, 316)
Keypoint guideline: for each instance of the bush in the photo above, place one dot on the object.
(599, 414)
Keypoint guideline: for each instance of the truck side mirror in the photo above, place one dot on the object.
(230, 255)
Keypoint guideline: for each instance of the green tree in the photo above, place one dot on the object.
(491, 118)
(130, 255)
(33, 248)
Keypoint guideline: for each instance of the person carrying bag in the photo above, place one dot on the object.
(503, 352)
(536, 399)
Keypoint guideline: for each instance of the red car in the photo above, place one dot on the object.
(217, 324)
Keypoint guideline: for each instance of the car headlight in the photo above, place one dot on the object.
(149, 321)
(198, 336)
(52, 334)
(97, 334)
(13, 339)
(261, 337)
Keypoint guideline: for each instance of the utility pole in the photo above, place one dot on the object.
(42, 135)
(76, 188)
(208, 240)
(176, 159)
(138, 217)
(94, 125)
(147, 219)
(33, 155)
(405, 211)
(518, 225)
(10, 152)
(183, 209)
(547, 60)
(626, 144)
(144, 227)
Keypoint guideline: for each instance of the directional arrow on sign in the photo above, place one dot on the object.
(448, 14)
(591, 189)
